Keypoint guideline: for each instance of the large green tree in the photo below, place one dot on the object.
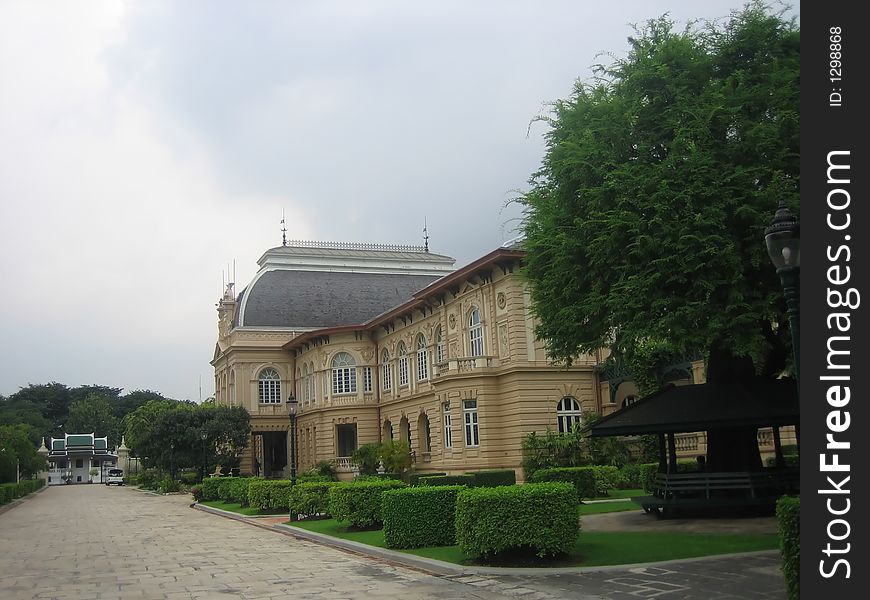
(644, 225)
(93, 414)
(17, 450)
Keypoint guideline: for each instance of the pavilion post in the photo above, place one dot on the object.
(663, 457)
(672, 451)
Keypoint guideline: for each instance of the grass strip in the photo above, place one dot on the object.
(237, 508)
(608, 507)
(591, 549)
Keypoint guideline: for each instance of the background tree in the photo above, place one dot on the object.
(17, 444)
(93, 414)
(644, 226)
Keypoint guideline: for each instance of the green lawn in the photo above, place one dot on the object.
(237, 508)
(591, 549)
(622, 494)
(607, 507)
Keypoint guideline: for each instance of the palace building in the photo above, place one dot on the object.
(382, 342)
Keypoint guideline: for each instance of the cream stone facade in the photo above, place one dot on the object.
(453, 367)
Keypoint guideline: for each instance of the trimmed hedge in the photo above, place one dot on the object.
(210, 488)
(788, 517)
(234, 489)
(420, 516)
(11, 491)
(582, 478)
(269, 494)
(360, 502)
(311, 498)
(414, 478)
(467, 479)
(538, 516)
(494, 477)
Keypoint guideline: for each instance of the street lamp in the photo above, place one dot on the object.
(292, 408)
(203, 437)
(172, 460)
(784, 247)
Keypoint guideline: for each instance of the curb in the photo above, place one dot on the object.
(439, 567)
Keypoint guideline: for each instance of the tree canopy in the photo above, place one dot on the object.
(644, 226)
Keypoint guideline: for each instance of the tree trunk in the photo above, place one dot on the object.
(733, 448)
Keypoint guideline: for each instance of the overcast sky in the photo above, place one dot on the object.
(144, 146)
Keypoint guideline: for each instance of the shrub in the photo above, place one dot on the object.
(606, 479)
(313, 477)
(269, 494)
(396, 456)
(414, 478)
(788, 513)
(359, 502)
(551, 450)
(366, 457)
(494, 477)
(648, 476)
(324, 468)
(210, 487)
(791, 460)
(167, 485)
(311, 499)
(196, 492)
(582, 478)
(466, 479)
(630, 476)
(420, 516)
(542, 517)
(149, 479)
(190, 477)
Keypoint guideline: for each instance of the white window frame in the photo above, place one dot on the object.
(422, 359)
(386, 378)
(367, 379)
(475, 333)
(472, 423)
(448, 432)
(439, 345)
(269, 386)
(568, 412)
(343, 374)
(404, 376)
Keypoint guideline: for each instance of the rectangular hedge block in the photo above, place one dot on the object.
(360, 502)
(420, 516)
(269, 494)
(209, 488)
(447, 480)
(788, 517)
(494, 478)
(414, 478)
(542, 517)
(311, 498)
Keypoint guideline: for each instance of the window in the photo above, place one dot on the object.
(439, 345)
(367, 379)
(403, 364)
(422, 359)
(343, 374)
(629, 400)
(79, 463)
(269, 386)
(568, 413)
(424, 433)
(303, 385)
(312, 397)
(475, 333)
(448, 434)
(387, 379)
(387, 431)
(472, 429)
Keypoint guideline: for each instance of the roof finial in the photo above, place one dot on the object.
(283, 230)
(425, 236)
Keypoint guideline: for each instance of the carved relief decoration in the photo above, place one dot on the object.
(501, 300)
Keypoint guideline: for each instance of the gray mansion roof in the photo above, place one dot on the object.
(309, 284)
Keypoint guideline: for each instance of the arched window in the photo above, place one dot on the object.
(386, 379)
(387, 431)
(343, 374)
(403, 364)
(424, 433)
(629, 400)
(405, 431)
(269, 386)
(312, 397)
(475, 333)
(422, 359)
(568, 413)
(439, 345)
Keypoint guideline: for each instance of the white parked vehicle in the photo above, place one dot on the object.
(115, 476)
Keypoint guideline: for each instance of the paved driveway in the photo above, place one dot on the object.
(89, 541)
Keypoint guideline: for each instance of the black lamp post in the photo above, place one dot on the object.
(784, 247)
(292, 408)
(203, 437)
(172, 460)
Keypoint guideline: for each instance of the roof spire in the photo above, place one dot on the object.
(425, 236)
(283, 230)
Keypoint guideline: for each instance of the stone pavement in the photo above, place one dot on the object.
(88, 541)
